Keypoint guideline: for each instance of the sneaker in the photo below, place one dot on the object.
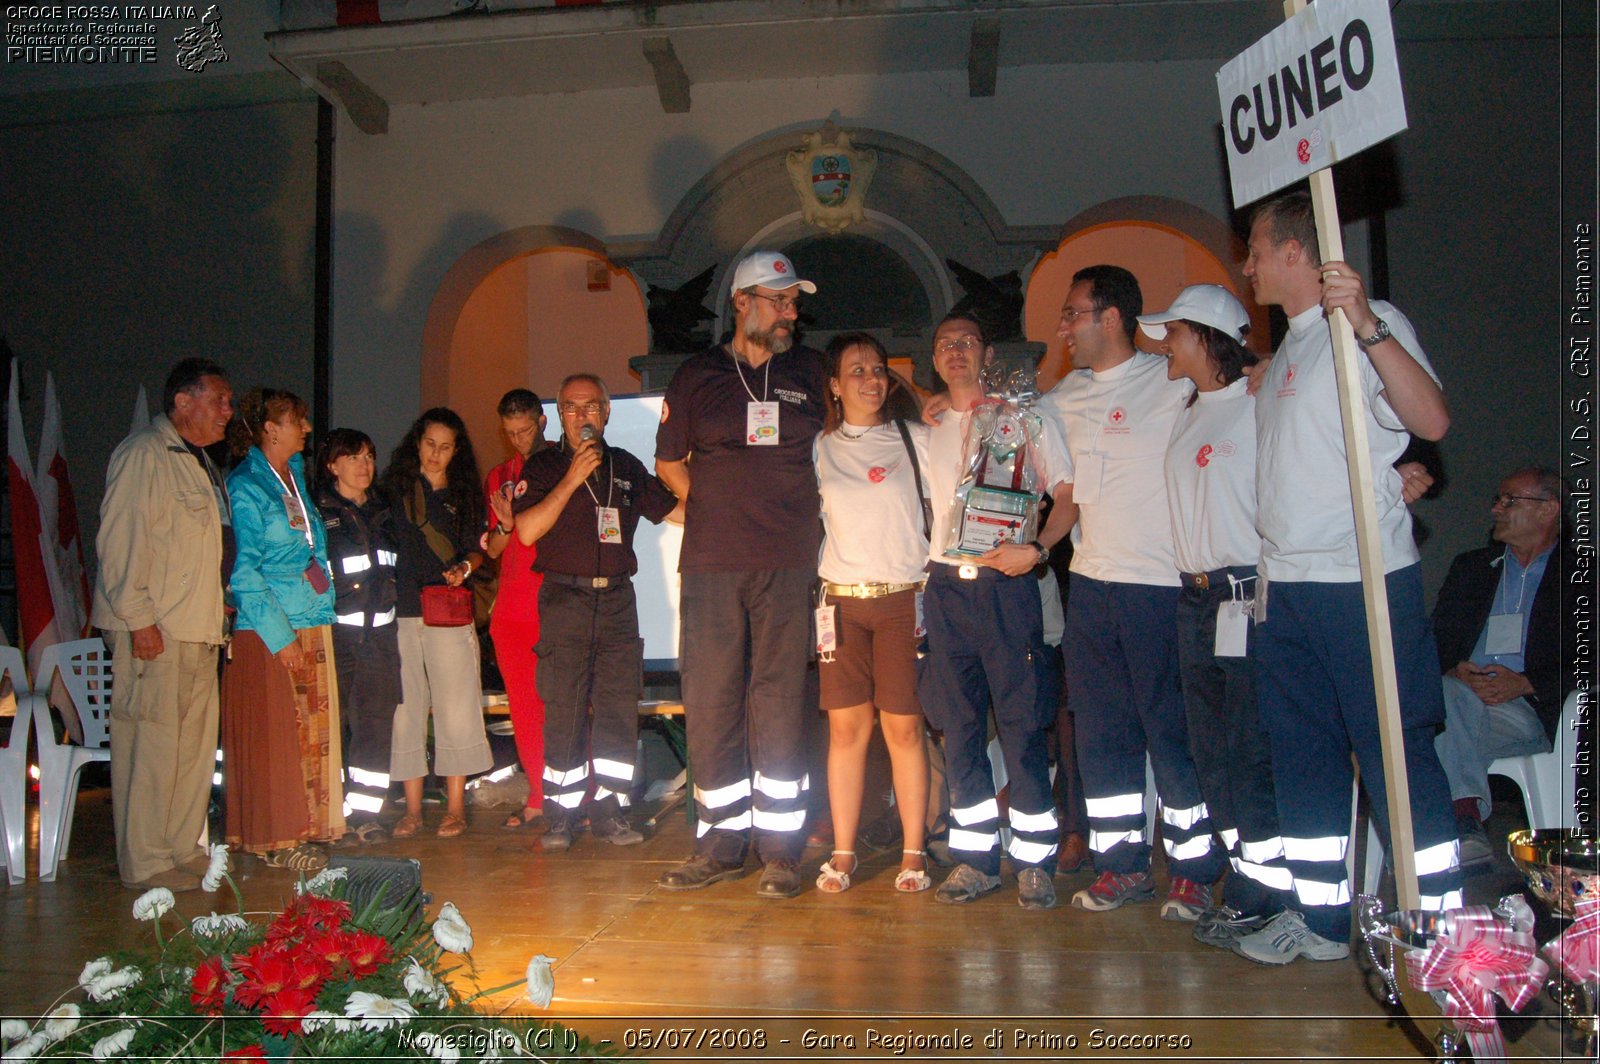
(1034, 889)
(1186, 900)
(779, 879)
(1475, 848)
(1112, 890)
(964, 884)
(698, 871)
(558, 836)
(1286, 937)
(1221, 926)
(616, 830)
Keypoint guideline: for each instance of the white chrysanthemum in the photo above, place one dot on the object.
(375, 1011)
(28, 1048)
(420, 983)
(108, 986)
(113, 1045)
(94, 970)
(451, 931)
(321, 883)
(13, 1030)
(438, 1046)
(316, 1020)
(541, 981)
(62, 1021)
(153, 904)
(218, 924)
(212, 880)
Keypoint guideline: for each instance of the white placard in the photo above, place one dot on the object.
(1322, 87)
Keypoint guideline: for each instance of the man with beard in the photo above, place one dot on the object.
(738, 423)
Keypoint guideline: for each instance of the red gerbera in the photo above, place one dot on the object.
(368, 953)
(330, 947)
(209, 987)
(323, 914)
(252, 1052)
(282, 1012)
(267, 973)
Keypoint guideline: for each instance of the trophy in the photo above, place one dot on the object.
(996, 500)
(1563, 871)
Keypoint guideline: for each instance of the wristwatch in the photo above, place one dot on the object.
(1044, 552)
(1379, 335)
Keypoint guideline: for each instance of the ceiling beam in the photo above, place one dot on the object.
(368, 110)
(672, 81)
(983, 56)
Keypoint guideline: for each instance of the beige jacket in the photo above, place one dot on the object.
(160, 541)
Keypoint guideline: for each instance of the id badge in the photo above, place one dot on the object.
(1503, 634)
(921, 629)
(827, 634)
(1233, 629)
(297, 517)
(1087, 470)
(761, 424)
(608, 523)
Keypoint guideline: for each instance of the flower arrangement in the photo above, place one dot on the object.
(315, 980)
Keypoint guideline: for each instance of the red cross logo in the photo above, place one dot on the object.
(1302, 151)
(876, 474)
(779, 266)
(1118, 416)
(1288, 377)
(1202, 458)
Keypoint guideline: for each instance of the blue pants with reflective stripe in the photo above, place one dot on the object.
(1122, 684)
(1315, 693)
(985, 641)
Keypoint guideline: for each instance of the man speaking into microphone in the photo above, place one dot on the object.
(581, 501)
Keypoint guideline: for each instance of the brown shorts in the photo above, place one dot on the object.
(876, 659)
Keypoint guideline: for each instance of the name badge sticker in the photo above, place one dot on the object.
(827, 634)
(761, 424)
(291, 507)
(608, 523)
(1233, 628)
(1503, 634)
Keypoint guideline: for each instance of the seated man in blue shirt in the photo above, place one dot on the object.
(1498, 625)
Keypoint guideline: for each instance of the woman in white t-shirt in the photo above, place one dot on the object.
(869, 458)
(1211, 493)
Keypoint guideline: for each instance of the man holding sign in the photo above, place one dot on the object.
(1314, 670)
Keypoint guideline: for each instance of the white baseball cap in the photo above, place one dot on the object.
(769, 269)
(1208, 304)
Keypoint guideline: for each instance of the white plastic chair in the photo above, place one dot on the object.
(1547, 779)
(14, 767)
(85, 667)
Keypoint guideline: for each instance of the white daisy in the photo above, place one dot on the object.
(113, 1046)
(375, 1011)
(541, 981)
(212, 880)
(451, 931)
(153, 904)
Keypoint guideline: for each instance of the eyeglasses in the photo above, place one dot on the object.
(583, 409)
(782, 304)
(1071, 314)
(964, 344)
(1506, 499)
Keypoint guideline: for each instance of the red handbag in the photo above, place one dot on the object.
(446, 607)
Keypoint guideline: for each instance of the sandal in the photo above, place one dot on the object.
(913, 880)
(527, 817)
(406, 826)
(302, 858)
(832, 881)
(371, 832)
(452, 825)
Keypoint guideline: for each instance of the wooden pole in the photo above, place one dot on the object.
(1369, 549)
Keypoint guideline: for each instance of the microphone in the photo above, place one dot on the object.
(586, 433)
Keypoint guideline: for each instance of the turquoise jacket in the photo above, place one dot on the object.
(269, 573)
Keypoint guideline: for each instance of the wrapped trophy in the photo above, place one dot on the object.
(997, 498)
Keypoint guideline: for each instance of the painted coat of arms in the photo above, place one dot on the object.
(831, 176)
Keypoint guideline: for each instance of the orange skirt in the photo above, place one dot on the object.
(280, 745)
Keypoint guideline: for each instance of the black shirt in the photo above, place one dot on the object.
(419, 566)
(750, 508)
(572, 545)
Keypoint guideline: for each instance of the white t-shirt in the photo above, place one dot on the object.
(1303, 511)
(1124, 415)
(944, 470)
(871, 512)
(1211, 481)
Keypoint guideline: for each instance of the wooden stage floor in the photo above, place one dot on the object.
(886, 971)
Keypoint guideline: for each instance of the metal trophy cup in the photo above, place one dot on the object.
(1563, 871)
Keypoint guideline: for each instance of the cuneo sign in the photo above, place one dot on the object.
(1320, 88)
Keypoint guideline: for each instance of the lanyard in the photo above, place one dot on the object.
(1522, 581)
(294, 489)
(611, 482)
(766, 375)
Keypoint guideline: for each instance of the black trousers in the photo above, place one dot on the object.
(591, 664)
(366, 663)
(745, 646)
